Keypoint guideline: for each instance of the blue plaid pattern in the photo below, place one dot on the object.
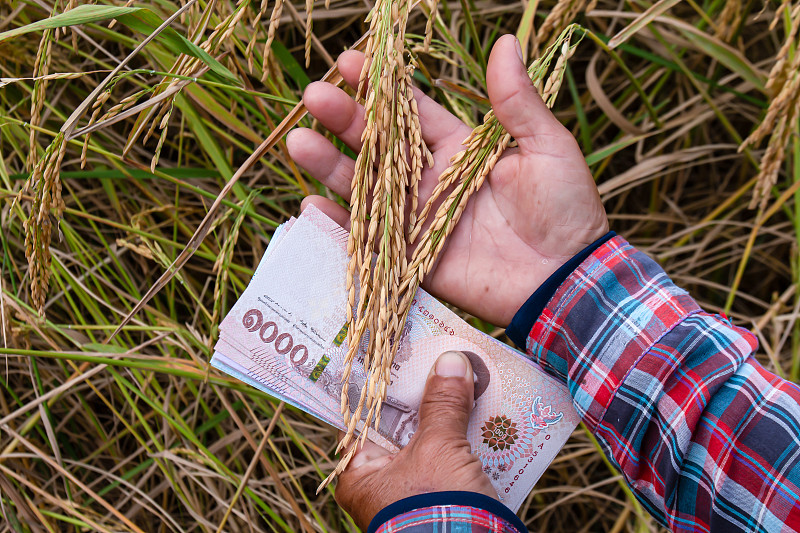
(706, 437)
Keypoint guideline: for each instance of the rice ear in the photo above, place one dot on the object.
(387, 285)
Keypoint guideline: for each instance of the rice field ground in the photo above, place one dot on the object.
(117, 139)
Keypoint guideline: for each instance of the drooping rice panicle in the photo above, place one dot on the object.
(124, 104)
(779, 122)
(556, 20)
(729, 20)
(186, 66)
(45, 184)
(254, 24)
(274, 22)
(434, 7)
(392, 123)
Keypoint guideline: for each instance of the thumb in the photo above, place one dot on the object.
(447, 401)
(516, 104)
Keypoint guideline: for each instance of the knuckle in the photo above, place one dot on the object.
(552, 143)
(440, 445)
(444, 396)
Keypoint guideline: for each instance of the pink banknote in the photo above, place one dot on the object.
(288, 333)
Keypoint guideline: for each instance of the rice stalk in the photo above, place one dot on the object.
(309, 29)
(434, 7)
(71, 4)
(780, 120)
(115, 110)
(392, 124)
(730, 18)
(274, 22)
(254, 24)
(222, 264)
(556, 20)
(186, 66)
(96, 109)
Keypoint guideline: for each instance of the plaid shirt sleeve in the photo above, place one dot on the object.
(707, 439)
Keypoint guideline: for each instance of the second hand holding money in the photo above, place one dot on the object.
(437, 458)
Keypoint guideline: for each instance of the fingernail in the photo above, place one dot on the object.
(519, 50)
(451, 365)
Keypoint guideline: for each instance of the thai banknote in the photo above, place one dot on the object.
(286, 335)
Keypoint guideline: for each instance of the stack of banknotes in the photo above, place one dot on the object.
(286, 336)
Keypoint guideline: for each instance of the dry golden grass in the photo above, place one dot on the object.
(140, 433)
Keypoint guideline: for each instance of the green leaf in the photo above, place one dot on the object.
(526, 25)
(290, 64)
(145, 21)
(599, 155)
(641, 21)
(727, 55)
(104, 348)
(80, 15)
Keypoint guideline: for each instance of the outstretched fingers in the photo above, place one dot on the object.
(322, 160)
(345, 118)
(342, 116)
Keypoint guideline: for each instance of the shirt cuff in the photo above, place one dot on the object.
(454, 508)
(609, 312)
(527, 315)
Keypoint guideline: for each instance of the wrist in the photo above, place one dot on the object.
(455, 508)
(527, 314)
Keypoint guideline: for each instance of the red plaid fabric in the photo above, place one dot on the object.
(447, 518)
(707, 438)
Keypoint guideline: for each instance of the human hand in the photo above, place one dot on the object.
(438, 457)
(537, 209)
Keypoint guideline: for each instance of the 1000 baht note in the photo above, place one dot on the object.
(288, 330)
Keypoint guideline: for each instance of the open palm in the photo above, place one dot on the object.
(538, 207)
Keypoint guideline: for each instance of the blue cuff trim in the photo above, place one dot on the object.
(459, 498)
(527, 315)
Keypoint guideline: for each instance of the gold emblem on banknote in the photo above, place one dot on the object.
(499, 433)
